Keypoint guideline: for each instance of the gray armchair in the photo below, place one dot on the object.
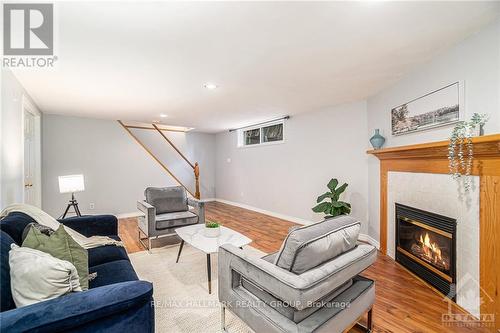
(165, 209)
(275, 294)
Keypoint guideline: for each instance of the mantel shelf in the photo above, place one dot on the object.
(484, 146)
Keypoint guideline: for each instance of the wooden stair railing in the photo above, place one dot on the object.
(195, 167)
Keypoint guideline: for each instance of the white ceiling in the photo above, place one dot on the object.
(136, 60)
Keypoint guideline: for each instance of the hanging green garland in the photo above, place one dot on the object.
(461, 149)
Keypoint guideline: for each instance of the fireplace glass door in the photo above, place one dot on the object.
(426, 245)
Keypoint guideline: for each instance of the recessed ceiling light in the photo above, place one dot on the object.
(210, 86)
(163, 115)
(156, 121)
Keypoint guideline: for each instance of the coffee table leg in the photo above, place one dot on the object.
(209, 271)
(180, 250)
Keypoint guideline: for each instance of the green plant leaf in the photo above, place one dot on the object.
(321, 207)
(212, 224)
(341, 189)
(323, 197)
(332, 184)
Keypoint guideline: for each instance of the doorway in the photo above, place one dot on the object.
(32, 154)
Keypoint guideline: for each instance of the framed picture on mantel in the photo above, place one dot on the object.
(438, 108)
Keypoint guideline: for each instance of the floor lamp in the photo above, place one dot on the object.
(71, 184)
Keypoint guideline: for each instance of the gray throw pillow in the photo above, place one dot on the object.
(312, 245)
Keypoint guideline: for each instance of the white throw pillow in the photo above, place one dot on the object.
(37, 276)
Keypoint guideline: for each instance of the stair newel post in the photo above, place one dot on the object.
(197, 180)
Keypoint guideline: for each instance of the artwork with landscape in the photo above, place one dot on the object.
(438, 108)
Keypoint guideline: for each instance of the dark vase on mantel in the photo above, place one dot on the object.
(377, 140)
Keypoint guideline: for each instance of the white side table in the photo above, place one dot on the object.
(195, 236)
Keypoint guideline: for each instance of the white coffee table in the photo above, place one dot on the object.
(195, 236)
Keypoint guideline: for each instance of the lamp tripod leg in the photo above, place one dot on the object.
(66, 211)
(77, 210)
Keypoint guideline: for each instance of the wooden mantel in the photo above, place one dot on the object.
(484, 146)
(433, 158)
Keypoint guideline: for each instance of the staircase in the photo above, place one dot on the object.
(195, 167)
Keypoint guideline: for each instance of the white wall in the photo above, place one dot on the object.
(116, 168)
(287, 178)
(11, 143)
(476, 61)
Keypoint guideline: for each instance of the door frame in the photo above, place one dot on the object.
(28, 106)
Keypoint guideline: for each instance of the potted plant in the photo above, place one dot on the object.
(212, 229)
(332, 206)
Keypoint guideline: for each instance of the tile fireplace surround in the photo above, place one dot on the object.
(424, 169)
(437, 193)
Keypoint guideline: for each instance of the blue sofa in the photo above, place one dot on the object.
(117, 301)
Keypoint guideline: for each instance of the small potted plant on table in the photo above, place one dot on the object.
(212, 229)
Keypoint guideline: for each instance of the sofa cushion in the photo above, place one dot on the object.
(312, 245)
(112, 272)
(14, 225)
(40, 227)
(176, 219)
(36, 276)
(62, 246)
(167, 199)
(103, 254)
(287, 309)
(6, 300)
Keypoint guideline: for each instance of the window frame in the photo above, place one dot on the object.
(241, 135)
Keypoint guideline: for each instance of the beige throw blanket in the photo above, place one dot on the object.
(45, 219)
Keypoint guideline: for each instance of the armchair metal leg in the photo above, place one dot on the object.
(223, 318)
(148, 246)
(369, 322)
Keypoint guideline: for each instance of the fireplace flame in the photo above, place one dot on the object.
(431, 249)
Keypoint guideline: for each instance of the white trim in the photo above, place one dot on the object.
(127, 215)
(369, 239)
(362, 237)
(267, 212)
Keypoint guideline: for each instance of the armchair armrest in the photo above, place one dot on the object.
(149, 214)
(299, 290)
(93, 225)
(199, 206)
(66, 313)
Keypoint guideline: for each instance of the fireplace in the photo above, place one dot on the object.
(426, 245)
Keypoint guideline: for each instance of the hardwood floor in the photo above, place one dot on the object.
(403, 302)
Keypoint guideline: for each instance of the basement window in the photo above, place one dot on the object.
(264, 134)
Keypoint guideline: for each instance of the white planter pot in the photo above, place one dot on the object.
(212, 232)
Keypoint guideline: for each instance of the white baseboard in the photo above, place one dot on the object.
(362, 237)
(369, 239)
(266, 212)
(127, 215)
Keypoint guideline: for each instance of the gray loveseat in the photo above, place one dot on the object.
(310, 285)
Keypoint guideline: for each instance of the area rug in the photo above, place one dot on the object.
(182, 301)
